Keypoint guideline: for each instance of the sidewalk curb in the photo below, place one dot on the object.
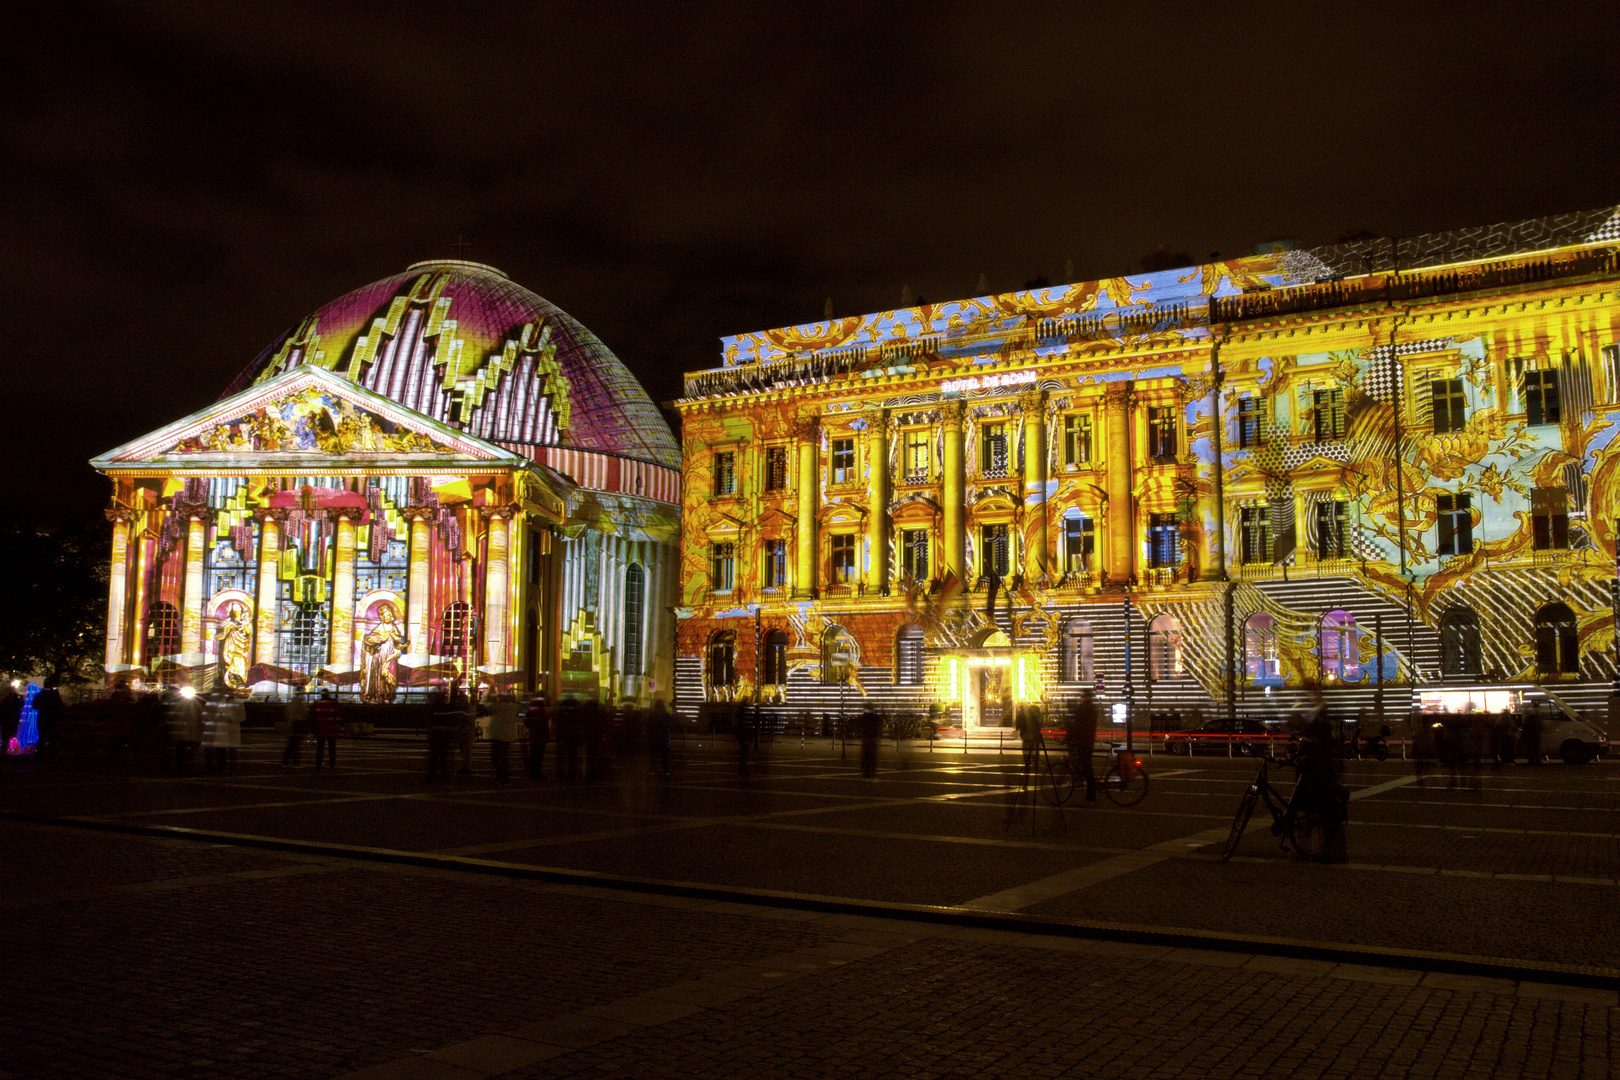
(1601, 978)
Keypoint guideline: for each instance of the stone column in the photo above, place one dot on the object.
(118, 586)
(877, 509)
(496, 566)
(264, 628)
(416, 599)
(804, 564)
(137, 646)
(1121, 469)
(954, 494)
(341, 654)
(1033, 405)
(191, 611)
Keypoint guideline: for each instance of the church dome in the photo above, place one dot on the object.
(462, 343)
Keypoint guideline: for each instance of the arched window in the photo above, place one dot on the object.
(1077, 659)
(1459, 642)
(635, 596)
(838, 656)
(1260, 647)
(723, 659)
(775, 672)
(908, 656)
(162, 631)
(1341, 655)
(1164, 647)
(1557, 641)
(455, 630)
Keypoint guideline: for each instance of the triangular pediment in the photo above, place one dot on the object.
(305, 415)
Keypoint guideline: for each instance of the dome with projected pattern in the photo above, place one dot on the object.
(462, 343)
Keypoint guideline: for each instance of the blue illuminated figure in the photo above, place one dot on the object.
(28, 725)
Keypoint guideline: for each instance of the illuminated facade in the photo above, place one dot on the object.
(1380, 472)
(438, 476)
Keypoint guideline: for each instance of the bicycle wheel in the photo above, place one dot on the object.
(1251, 799)
(1060, 782)
(1125, 793)
(1308, 837)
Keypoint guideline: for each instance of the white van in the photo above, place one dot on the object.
(1576, 741)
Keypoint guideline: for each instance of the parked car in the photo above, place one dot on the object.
(1576, 741)
(1225, 737)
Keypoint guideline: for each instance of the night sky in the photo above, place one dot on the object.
(182, 182)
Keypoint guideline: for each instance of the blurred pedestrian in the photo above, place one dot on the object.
(222, 733)
(1318, 790)
(48, 708)
(1028, 725)
(568, 737)
(185, 730)
(593, 718)
(326, 721)
(466, 729)
(538, 722)
(1080, 734)
(1531, 727)
(11, 704)
(503, 730)
(871, 728)
(443, 725)
(297, 714)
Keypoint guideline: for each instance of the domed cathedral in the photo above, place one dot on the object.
(439, 477)
(1379, 474)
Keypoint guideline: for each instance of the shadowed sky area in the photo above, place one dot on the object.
(182, 182)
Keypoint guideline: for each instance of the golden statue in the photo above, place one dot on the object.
(379, 675)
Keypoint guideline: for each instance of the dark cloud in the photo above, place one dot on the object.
(185, 180)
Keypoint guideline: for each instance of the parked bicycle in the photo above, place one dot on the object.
(1125, 783)
(1295, 827)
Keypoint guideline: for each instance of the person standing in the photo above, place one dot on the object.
(443, 726)
(222, 734)
(871, 724)
(48, 708)
(1029, 735)
(466, 728)
(503, 729)
(1080, 733)
(326, 719)
(538, 721)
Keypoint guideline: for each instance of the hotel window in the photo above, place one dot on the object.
(1256, 534)
(908, 656)
(1557, 641)
(725, 473)
(1079, 539)
(1549, 518)
(914, 554)
(1162, 434)
(994, 449)
(1260, 647)
(1459, 642)
(993, 544)
(723, 659)
(843, 460)
(1449, 406)
(776, 461)
(917, 457)
(1164, 647)
(722, 564)
(843, 558)
(1250, 432)
(1076, 439)
(775, 576)
(1077, 652)
(1456, 524)
(1541, 397)
(1341, 655)
(1332, 530)
(1163, 540)
(775, 673)
(1329, 409)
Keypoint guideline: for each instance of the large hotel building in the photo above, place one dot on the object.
(1380, 473)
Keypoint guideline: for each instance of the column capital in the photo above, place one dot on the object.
(951, 409)
(1118, 394)
(417, 513)
(804, 426)
(120, 514)
(1032, 401)
(274, 513)
(496, 513)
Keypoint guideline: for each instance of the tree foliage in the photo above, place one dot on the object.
(53, 602)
